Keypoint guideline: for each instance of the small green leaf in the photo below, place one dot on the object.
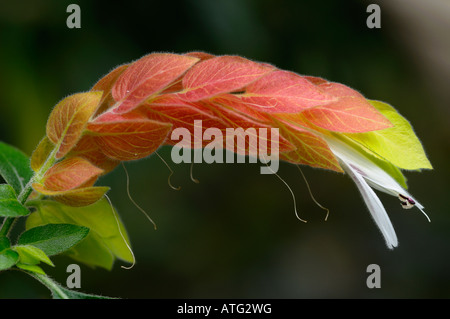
(9, 205)
(398, 145)
(53, 239)
(31, 255)
(8, 258)
(14, 167)
(105, 241)
(32, 268)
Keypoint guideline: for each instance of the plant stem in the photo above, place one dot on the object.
(22, 198)
(7, 223)
(50, 284)
(28, 189)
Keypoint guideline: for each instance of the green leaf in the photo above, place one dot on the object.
(398, 145)
(9, 205)
(14, 167)
(31, 255)
(105, 241)
(32, 268)
(8, 258)
(4, 243)
(54, 239)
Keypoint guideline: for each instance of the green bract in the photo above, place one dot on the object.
(31, 255)
(398, 145)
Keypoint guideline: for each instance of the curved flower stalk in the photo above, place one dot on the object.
(134, 110)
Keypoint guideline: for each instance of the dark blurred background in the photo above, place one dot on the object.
(235, 234)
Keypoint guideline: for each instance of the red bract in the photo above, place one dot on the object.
(282, 92)
(350, 113)
(69, 119)
(105, 85)
(70, 181)
(71, 173)
(125, 138)
(220, 75)
(148, 76)
(89, 150)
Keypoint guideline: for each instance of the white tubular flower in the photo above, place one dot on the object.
(366, 174)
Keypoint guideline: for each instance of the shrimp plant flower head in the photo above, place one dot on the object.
(133, 110)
